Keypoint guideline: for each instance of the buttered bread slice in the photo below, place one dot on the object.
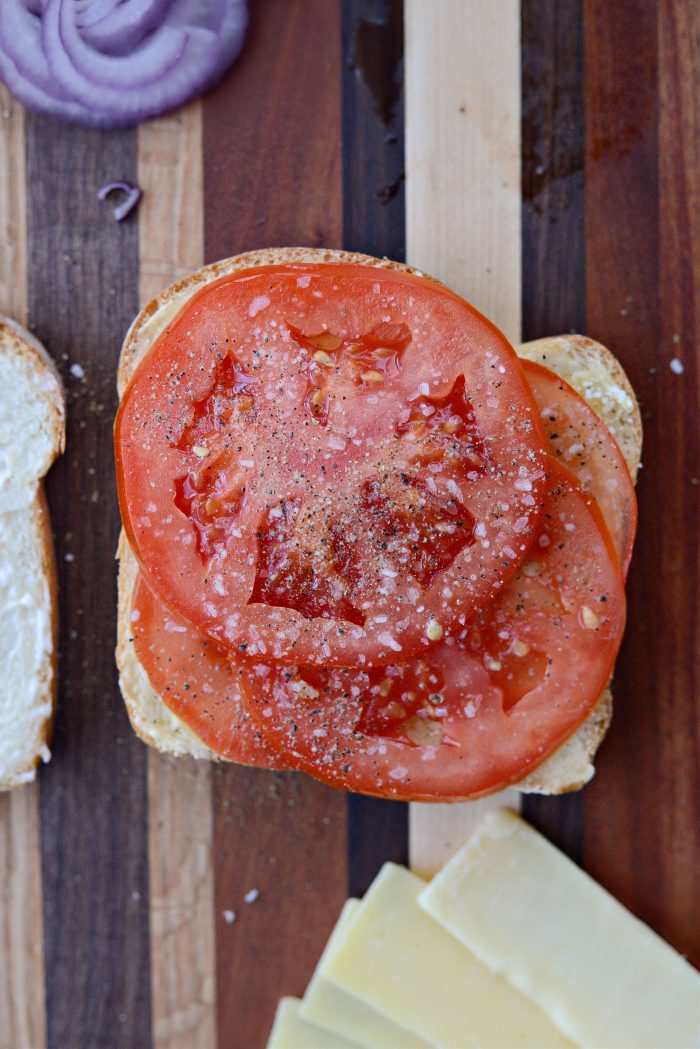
(32, 434)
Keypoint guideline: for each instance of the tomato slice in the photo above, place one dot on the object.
(478, 711)
(192, 676)
(328, 464)
(579, 438)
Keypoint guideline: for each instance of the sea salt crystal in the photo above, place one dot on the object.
(385, 638)
(258, 304)
(398, 773)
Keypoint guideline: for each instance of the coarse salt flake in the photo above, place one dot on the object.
(259, 303)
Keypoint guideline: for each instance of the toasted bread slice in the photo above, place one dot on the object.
(32, 434)
(586, 365)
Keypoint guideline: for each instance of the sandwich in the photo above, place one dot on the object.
(32, 435)
(365, 539)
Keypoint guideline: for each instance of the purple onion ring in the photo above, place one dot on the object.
(113, 63)
(128, 204)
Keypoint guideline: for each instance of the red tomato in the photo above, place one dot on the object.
(477, 712)
(193, 678)
(328, 464)
(580, 440)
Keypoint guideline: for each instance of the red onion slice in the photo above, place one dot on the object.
(107, 63)
(131, 199)
(98, 79)
(125, 27)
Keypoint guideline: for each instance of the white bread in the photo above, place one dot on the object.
(587, 365)
(32, 434)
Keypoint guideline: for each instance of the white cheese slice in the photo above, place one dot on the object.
(405, 965)
(329, 1006)
(290, 1031)
(531, 914)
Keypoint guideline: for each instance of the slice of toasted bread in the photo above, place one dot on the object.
(32, 434)
(586, 365)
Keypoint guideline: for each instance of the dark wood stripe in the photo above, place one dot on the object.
(642, 812)
(273, 177)
(373, 222)
(373, 154)
(552, 244)
(83, 292)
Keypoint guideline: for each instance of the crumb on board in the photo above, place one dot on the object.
(229, 917)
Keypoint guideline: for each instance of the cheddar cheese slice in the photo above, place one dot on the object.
(329, 1006)
(401, 963)
(532, 915)
(290, 1031)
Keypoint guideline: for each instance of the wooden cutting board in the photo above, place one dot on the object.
(556, 191)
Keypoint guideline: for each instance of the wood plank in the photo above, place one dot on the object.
(82, 293)
(22, 1013)
(183, 951)
(171, 219)
(463, 220)
(463, 151)
(373, 222)
(181, 882)
(13, 209)
(553, 246)
(642, 814)
(273, 177)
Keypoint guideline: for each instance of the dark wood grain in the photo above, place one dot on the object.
(272, 151)
(373, 154)
(552, 244)
(373, 222)
(82, 284)
(642, 811)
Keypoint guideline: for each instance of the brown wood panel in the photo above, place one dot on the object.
(82, 293)
(272, 134)
(272, 176)
(552, 244)
(641, 813)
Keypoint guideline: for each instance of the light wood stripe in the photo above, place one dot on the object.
(22, 1008)
(462, 71)
(183, 953)
(13, 209)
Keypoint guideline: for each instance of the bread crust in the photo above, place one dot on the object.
(570, 766)
(150, 719)
(19, 341)
(16, 340)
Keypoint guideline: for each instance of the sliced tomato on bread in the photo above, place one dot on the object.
(192, 676)
(328, 464)
(580, 440)
(479, 710)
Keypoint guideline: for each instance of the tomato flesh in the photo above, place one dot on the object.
(317, 462)
(582, 442)
(478, 710)
(191, 675)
